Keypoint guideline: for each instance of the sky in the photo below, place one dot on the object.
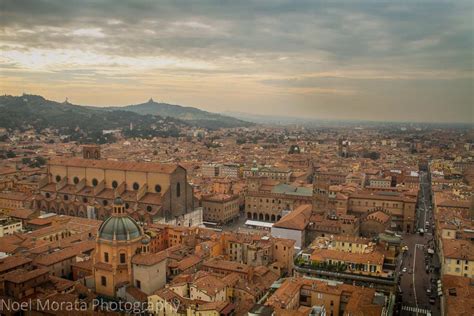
(363, 60)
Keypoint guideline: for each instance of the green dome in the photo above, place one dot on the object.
(119, 228)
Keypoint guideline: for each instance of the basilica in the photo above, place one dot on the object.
(86, 187)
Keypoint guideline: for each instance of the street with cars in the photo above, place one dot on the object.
(418, 266)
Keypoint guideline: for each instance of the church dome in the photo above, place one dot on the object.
(119, 228)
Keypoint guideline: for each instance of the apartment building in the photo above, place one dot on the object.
(220, 208)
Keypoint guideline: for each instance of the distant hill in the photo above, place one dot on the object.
(34, 111)
(80, 122)
(194, 116)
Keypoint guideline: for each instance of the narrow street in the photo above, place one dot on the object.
(418, 276)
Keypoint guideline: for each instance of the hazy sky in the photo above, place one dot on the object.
(380, 60)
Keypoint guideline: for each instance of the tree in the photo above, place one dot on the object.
(41, 161)
(11, 154)
(372, 155)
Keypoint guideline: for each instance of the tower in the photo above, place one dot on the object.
(320, 192)
(343, 148)
(118, 240)
(91, 152)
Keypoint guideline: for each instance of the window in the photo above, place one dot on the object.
(104, 202)
(138, 284)
(48, 195)
(106, 256)
(127, 205)
(178, 189)
(95, 182)
(103, 281)
(157, 188)
(136, 186)
(114, 184)
(76, 180)
(122, 258)
(149, 208)
(66, 197)
(84, 200)
(58, 178)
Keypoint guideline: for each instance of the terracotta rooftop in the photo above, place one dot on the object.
(64, 254)
(136, 293)
(21, 275)
(149, 259)
(18, 196)
(219, 306)
(459, 295)
(458, 249)
(116, 165)
(209, 284)
(297, 219)
(11, 262)
(20, 213)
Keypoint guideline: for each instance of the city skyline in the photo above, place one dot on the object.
(341, 61)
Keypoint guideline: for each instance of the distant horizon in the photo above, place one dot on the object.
(236, 114)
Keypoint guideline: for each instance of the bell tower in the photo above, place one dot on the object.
(91, 152)
(320, 192)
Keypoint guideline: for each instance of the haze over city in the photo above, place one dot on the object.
(369, 60)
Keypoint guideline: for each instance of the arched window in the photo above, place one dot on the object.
(76, 180)
(157, 188)
(136, 186)
(58, 178)
(95, 182)
(114, 184)
(149, 208)
(122, 258)
(104, 202)
(178, 189)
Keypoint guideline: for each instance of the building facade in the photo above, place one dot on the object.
(220, 208)
(87, 187)
(118, 240)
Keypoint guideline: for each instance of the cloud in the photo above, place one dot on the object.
(299, 51)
